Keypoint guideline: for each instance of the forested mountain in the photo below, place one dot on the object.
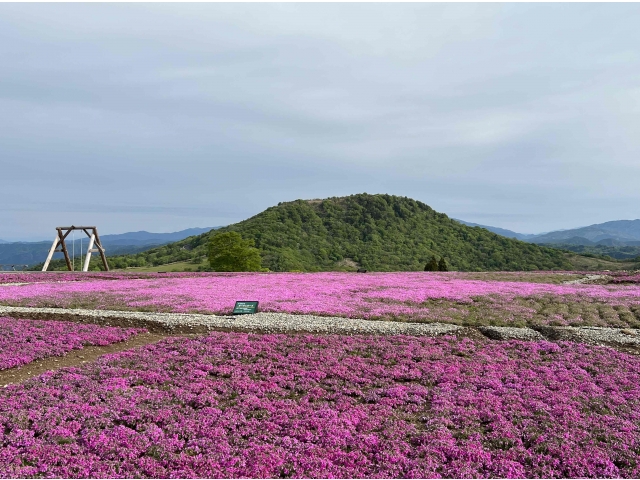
(376, 232)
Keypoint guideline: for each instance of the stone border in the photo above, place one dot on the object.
(264, 322)
(268, 322)
(591, 335)
(511, 333)
(596, 335)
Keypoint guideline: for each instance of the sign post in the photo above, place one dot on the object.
(244, 307)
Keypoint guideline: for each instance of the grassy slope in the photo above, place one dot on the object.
(581, 262)
(628, 253)
(169, 267)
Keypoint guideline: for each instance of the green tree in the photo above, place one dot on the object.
(432, 265)
(228, 252)
(442, 265)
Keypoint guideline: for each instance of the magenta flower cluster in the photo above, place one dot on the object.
(23, 341)
(380, 295)
(238, 405)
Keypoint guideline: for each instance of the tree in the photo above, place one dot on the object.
(442, 265)
(432, 265)
(228, 252)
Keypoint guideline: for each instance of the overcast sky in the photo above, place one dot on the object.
(161, 117)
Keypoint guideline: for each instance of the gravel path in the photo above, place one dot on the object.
(259, 322)
(266, 322)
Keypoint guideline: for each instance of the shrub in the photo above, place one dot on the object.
(432, 265)
(442, 265)
(229, 252)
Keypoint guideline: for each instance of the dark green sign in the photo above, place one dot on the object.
(245, 307)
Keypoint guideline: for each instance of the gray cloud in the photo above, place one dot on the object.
(165, 116)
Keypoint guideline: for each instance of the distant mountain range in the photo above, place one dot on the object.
(500, 231)
(615, 233)
(32, 253)
(619, 239)
(148, 238)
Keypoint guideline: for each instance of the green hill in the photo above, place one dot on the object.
(375, 232)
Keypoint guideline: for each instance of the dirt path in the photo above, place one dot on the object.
(74, 358)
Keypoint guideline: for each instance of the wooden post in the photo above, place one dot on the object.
(63, 246)
(99, 245)
(50, 256)
(85, 267)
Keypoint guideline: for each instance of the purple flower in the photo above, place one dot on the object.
(23, 341)
(242, 405)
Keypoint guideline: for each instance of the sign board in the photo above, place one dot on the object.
(243, 307)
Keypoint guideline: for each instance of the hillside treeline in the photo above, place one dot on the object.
(375, 232)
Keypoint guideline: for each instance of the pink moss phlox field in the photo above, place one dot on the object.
(379, 295)
(238, 405)
(23, 341)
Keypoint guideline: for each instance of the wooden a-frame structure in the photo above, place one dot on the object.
(94, 240)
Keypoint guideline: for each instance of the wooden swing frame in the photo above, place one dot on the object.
(94, 240)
